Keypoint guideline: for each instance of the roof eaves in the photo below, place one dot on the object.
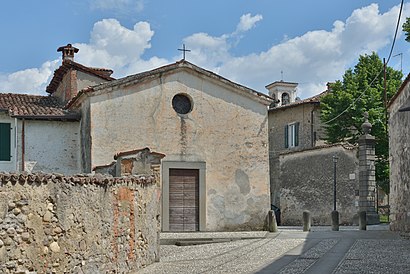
(401, 88)
(152, 74)
(68, 117)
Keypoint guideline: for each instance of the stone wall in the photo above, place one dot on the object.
(306, 183)
(399, 142)
(82, 224)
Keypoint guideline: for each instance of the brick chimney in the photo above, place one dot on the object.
(68, 52)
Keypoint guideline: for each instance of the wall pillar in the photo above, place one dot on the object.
(367, 173)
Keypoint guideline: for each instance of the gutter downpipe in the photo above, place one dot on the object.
(312, 137)
(23, 148)
(15, 143)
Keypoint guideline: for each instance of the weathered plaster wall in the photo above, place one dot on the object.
(225, 130)
(12, 164)
(306, 183)
(54, 224)
(74, 81)
(308, 115)
(87, 80)
(399, 142)
(50, 146)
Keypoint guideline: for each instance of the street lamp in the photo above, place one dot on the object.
(334, 181)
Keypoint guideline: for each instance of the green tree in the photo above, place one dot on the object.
(362, 89)
(406, 29)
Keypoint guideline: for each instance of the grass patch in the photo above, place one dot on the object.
(384, 218)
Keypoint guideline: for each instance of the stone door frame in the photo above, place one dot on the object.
(166, 166)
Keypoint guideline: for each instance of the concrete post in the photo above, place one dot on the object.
(335, 220)
(273, 227)
(362, 220)
(307, 220)
(367, 173)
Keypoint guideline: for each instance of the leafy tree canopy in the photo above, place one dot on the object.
(361, 90)
(406, 29)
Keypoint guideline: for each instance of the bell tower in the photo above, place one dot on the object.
(283, 92)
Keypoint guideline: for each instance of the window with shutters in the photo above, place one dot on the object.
(5, 142)
(292, 135)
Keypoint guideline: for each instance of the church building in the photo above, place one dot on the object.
(212, 132)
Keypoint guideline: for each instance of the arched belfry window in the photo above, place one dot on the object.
(285, 99)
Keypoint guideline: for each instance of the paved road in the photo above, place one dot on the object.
(376, 250)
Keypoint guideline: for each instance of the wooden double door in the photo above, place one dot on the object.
(183, 199)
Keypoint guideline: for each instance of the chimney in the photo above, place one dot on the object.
(68, 52)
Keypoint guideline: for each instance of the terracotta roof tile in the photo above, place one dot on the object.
(67, 65)
(35, 107)
(311, 100)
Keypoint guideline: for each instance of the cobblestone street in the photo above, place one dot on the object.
(376, 250)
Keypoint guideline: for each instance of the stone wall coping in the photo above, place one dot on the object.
(97, 179)
(346, 146)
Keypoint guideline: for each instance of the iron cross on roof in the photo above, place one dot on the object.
(183, 51)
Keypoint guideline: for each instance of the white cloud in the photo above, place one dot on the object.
(247, 22)
(314, 58)
(114, 46)
(211, 51)
(311, 59)
(29, 81)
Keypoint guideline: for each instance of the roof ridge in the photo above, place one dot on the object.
(261, 97)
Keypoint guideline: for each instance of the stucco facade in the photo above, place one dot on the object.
(306, 115)
(399, 146)
(224, 136)
(47, 146)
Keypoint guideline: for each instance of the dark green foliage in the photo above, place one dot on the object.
(406, 29)
(357, 83)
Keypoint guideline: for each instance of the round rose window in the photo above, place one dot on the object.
(182, 104)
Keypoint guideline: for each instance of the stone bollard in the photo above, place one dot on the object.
(362, 220)
(335, 220)
(273, 227)
(307, 220)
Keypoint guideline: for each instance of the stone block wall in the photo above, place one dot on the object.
(399, 149)
(306, 183)
(80, 224)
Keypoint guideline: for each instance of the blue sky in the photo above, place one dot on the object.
(250, 42)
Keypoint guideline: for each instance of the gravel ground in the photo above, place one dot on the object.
(240, 256)
(289, 251)
(308, 258)
(377, 256)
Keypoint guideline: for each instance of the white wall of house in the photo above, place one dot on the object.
(50, 146)
(225, 130)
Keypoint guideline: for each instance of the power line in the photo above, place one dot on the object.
(354, 102)
(388, 59)
(395, 33)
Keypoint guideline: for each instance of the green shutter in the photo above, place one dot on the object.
(286, 136)
(296, 134)
(5, 149)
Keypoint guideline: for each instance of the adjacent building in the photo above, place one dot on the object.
(399, 146)
(301, 163)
